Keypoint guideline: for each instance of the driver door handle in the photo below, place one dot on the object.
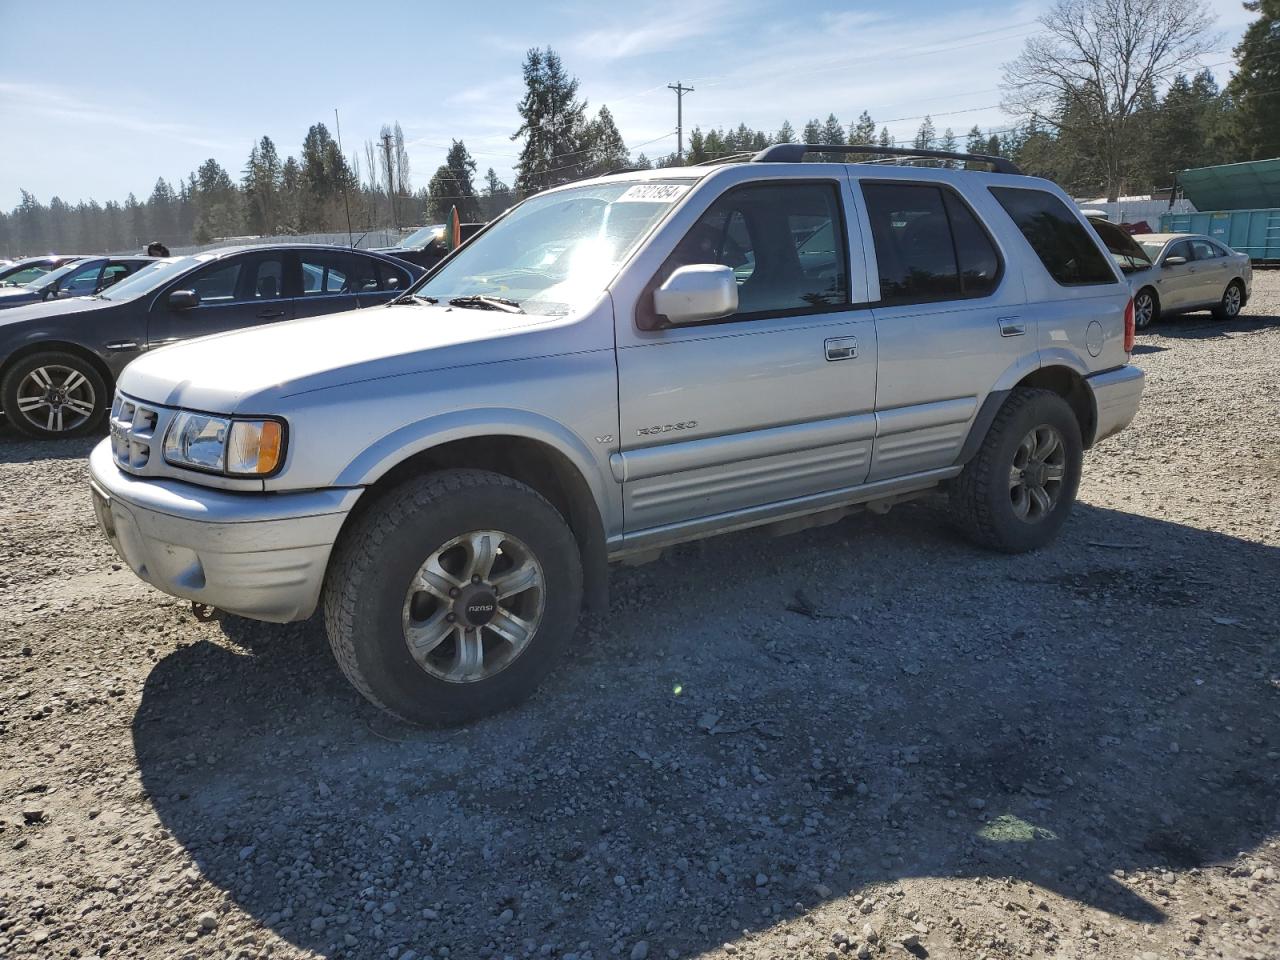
(269, 314)
(842, 348)
(1012, 327)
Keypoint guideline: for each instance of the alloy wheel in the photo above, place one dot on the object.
(1036, 476)
(474, 606)
(1231, 300)
(56, 398)
(1143, 310)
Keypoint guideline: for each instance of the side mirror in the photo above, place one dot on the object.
(184, 299)
(1173, 261)
(699, 292)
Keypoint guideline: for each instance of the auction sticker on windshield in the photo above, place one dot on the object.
(654, 193)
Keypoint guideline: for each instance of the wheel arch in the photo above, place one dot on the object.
(1062, 380)
(542, 465)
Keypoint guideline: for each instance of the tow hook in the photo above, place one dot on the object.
(205, 613)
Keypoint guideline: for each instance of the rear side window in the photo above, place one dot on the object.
(1056, 235)
(929, 245)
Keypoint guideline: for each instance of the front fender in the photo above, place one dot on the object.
(401, 444)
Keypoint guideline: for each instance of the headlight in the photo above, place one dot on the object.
(238, 448)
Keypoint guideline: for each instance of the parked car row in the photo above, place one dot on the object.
(75, 327)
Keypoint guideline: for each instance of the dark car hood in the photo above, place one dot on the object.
(12, 296)
(53, 308)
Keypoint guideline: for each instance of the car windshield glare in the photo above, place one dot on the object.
(151, 277)
(555, 253)
(422, 236)
(1153, 247)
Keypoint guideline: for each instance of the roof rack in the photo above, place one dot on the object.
(795, 152)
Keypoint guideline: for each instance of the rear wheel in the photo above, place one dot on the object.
(1146, 308)
(1017, 491)
(1232, 300)
(452, 596)
(53, 394)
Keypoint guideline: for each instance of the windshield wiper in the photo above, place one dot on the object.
(415, 297)
(487, 303)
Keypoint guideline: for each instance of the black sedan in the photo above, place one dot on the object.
(79, 278)
(59, 359)
(21, 271)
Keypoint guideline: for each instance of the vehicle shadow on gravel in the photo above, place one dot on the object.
(1202, 326)
(18, 448)
(760, 726)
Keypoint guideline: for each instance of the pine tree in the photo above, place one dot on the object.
(949, 144)
(1255, 87)
(697, 152)
(262, 183)
(832, 134)
(642, 162)
(552, 124)
(217, 203)
(812, 132)
(864, 131)
(162, 213)
(607, 150)
(885, 140)
(135, 215)
(926, 135)
(786, 133)
(976, 142)
(453, 186)
(495, 197)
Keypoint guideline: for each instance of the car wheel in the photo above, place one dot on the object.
(1146, 308)
(451, 597)
(1232, 300)
(54, 394)
(1016, 492)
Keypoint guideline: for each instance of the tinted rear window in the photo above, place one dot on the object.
(1056, 234)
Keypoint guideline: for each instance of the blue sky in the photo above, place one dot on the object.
(97, 101)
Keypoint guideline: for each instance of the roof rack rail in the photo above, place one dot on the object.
(726, 158)
(795, 152)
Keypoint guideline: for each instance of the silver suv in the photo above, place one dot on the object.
(610, 368)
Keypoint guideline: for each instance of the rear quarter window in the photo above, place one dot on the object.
(1057, 236)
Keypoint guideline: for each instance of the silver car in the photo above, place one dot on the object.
(1189, 272)
(612, 367)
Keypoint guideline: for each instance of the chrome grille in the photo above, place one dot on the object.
(133, 430)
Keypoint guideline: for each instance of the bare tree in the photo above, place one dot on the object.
(1088, 70)
(403, 186)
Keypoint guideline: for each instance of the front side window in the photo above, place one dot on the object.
(1061, 242)
(218, 284)
(784, 242)
(929, 245)
(81, 282)
(556, 253)
(241, 280)
(1180, 249)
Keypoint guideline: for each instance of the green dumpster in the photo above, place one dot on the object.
(1238, 203)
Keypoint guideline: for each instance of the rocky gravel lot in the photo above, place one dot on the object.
(866, 740)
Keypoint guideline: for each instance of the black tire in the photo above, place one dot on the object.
(376, 561)
(1151, 317)
(86, 401)
(1232, 302)
(981, 498)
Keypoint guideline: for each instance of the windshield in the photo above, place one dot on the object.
(1153, 247)
(152, 276)
(53, 276)
(422, 236)
(555, 253)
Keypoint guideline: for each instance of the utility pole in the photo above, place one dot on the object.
(680, 90)
(391, 185)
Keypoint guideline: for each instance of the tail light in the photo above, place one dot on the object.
(1130, 330)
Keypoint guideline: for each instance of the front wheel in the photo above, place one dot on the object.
(1016, 493)
(1146, 309)
(53, 394)
(1228, 307)
(451, 597)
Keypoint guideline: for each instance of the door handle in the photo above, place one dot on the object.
(269, 314)
(122, 345)
(842, 348)
(1012, 327)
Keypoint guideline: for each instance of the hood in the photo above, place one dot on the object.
(250, 371)
(43, 309)
(12, 296)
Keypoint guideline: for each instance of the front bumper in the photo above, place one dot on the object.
(259, 555)
(1116, 394)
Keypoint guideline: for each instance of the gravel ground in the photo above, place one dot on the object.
(865, 740)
